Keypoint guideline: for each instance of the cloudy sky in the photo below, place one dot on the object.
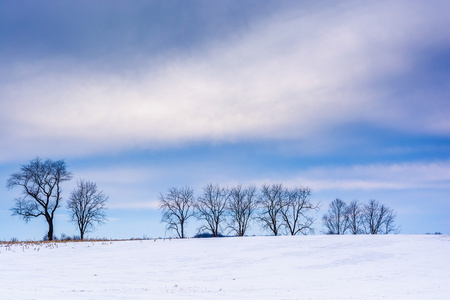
(349, 98)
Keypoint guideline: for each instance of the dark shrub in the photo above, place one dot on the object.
(207, 235)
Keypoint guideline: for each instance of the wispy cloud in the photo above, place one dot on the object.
(296, 75)
(136, 205)
(404, 176)
(125, 175)
(369, 179)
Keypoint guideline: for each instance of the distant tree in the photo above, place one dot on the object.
(389, 223)
(241, 207)
(177, 207)
(354, 216)
(41, 188)
(211, 207)
(295, 211)
(270, 203)
(87, 206)
(336, 220)
(377, 218)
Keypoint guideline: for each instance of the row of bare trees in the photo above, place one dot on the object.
(356, 218)
(40, 182)
(276, 208)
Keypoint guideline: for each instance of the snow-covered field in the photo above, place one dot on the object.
(302, 267)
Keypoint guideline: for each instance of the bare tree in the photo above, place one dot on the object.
(295, 211)
(375, 216)
(41, 188)
(241, 206)
(177, 207)
(354, 216)
(336, 221)
(389, 225)
(270, 203)
(87, 206)
(211, 207)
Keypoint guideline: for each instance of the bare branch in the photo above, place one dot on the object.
(27, 209)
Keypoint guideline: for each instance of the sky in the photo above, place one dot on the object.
(348, 98)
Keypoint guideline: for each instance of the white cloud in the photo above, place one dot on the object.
(118, 175)
(404, 176)
(370, 178)
(136, 205)
(289, 77)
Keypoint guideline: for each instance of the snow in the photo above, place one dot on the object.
(301, 267)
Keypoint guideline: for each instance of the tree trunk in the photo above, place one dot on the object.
(50, 229)
(182, 229)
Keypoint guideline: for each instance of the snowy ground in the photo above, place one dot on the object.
(303, 267)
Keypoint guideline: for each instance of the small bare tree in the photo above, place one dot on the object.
(41, 187)
(241, 206)
(377, 218)
(87, 206)
(211, 207)
(295, 211)
(177, 207)
(354, 216)
(270, 203)
(389, 223)
(336, 220)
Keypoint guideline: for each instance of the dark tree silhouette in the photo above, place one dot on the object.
(87, 206)
(211, 207)
(241, 206)
(177, 207)
(295, 211)
(336, 220)
(41, 188)
(354, 215)
(389, 225)
(377, 218)
(270, 203)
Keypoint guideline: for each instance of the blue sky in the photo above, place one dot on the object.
(349, 98)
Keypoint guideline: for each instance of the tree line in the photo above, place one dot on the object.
(277, 209)
(357, 218)
(230, 210)
(40, 183)
(222, 210)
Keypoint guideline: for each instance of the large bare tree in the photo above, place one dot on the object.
(270, 204)
(336, 220)
(211, 207)
(295, 211)
(177, 208)
(241, 207)
(40, 182)
(87, 206)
